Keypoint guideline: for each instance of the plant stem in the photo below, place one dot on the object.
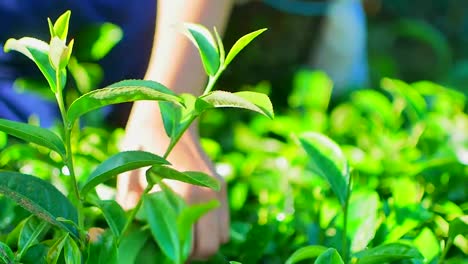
(177, 137)
(68, 159)
(345, 224)
(212, 80)
(445, 251)
(133, 213)
(171, 146)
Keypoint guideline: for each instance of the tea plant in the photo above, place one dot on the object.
(60, 226)
(386, 185)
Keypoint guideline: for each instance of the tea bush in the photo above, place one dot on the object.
(377, 178)
(59, 223)
(406, 145)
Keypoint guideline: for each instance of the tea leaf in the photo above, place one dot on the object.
(458, 226)
(175, 117)
(173, 198)
(328, 161)
(61, 26)
(221, 51)
(97, 40)
(161, 218)
(131, 245)
(37, 51)
(72, 253)
(203, 40)
(306, 252)
(416, 106)
(192, 177)
(33, 134)
(119, 163)
(388, 253)
(120, 92)
(114, 215)
(36, 254)
(329, 256)
(103, 249)
(240, 45)
(189, 215)
(40, 198)
(56, 249)
(257, 102)
(363, 218)
(29, 234)
(6, 254)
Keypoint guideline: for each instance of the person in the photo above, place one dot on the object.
(152, 48)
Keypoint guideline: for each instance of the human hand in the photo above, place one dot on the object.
(144, 133)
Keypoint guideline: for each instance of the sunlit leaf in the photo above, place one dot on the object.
(119, 163)
(428, 244)
(120, 92)
(328, 161)
(61, 25)
(363, 218)
(416, 106)
(311, 89)
(192, 177)
(458, 226)
(221, 51)
(388, 253)
(35, 195)
(33, 134)
(203, 40)
(161, 218)
(253, 101)
(97, 40)
(37, 51)
(329, 256)
(240, 45)
(307, 252)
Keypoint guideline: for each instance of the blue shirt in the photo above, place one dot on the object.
(20, 18)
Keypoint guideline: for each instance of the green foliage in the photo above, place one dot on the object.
(23, 188)
(155, 173)
(121, 92)
(33, 134)
(119, 163)
(399, 148)
(81, 162)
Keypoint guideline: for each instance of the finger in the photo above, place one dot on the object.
(128, 189)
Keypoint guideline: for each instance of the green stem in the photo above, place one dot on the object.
(345, 224)
(212, 81)
(445, 251)
(173, 142)
(68, 159)
(177, 137)
(133, 213)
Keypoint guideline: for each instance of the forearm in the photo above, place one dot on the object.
(175, 63)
